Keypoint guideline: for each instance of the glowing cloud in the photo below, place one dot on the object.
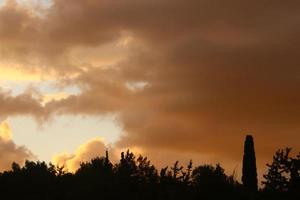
(9, 151)
(5, 131)
(212, 68)
(85, 152)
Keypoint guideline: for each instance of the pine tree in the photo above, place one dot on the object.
(249, 177)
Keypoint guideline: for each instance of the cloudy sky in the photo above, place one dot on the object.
(171, 79)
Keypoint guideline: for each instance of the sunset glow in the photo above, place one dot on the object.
(167, 79)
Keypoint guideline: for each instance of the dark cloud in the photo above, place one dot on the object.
(214, 69)
(19, 105)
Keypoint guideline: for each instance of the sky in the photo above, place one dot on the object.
(171, 79)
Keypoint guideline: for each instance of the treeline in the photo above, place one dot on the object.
(136, 178)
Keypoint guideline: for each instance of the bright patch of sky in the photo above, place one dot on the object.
(43, 3)
(136, 86)
(44, 87)
(63, 134)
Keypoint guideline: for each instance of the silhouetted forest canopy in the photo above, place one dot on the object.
(134, 177)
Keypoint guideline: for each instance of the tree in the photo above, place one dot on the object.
(187, 175)
(127, 167)
(284, 173)
(146, 172)
(294, 170)
(209, 176)
(275, 180)
(249, 177)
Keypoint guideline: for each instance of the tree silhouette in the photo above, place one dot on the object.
(208, 175)
(187, 175)
(275, 180)
(136, 178)
(249, 177)
(283, 174)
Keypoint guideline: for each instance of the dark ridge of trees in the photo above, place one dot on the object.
(249, 177)
(136, 178)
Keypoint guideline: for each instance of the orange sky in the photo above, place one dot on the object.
(184, 78)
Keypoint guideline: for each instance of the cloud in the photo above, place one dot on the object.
(9, 151)
(24, 103)
(212, 69)
(5, 132)
(85, 152)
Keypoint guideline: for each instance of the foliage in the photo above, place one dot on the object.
(136, 178)
(283, 176)
(249, 177)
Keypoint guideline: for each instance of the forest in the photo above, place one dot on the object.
(134, 177)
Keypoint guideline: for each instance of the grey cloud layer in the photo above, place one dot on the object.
(213, 68)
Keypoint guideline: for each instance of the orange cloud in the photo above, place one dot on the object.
(212, 68)
(5, 132)
(85, 152)
(9, 151)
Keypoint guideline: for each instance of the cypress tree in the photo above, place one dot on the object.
(249, 177)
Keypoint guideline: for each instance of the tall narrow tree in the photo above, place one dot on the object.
(249, 177)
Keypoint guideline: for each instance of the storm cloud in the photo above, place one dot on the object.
(189, 77)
